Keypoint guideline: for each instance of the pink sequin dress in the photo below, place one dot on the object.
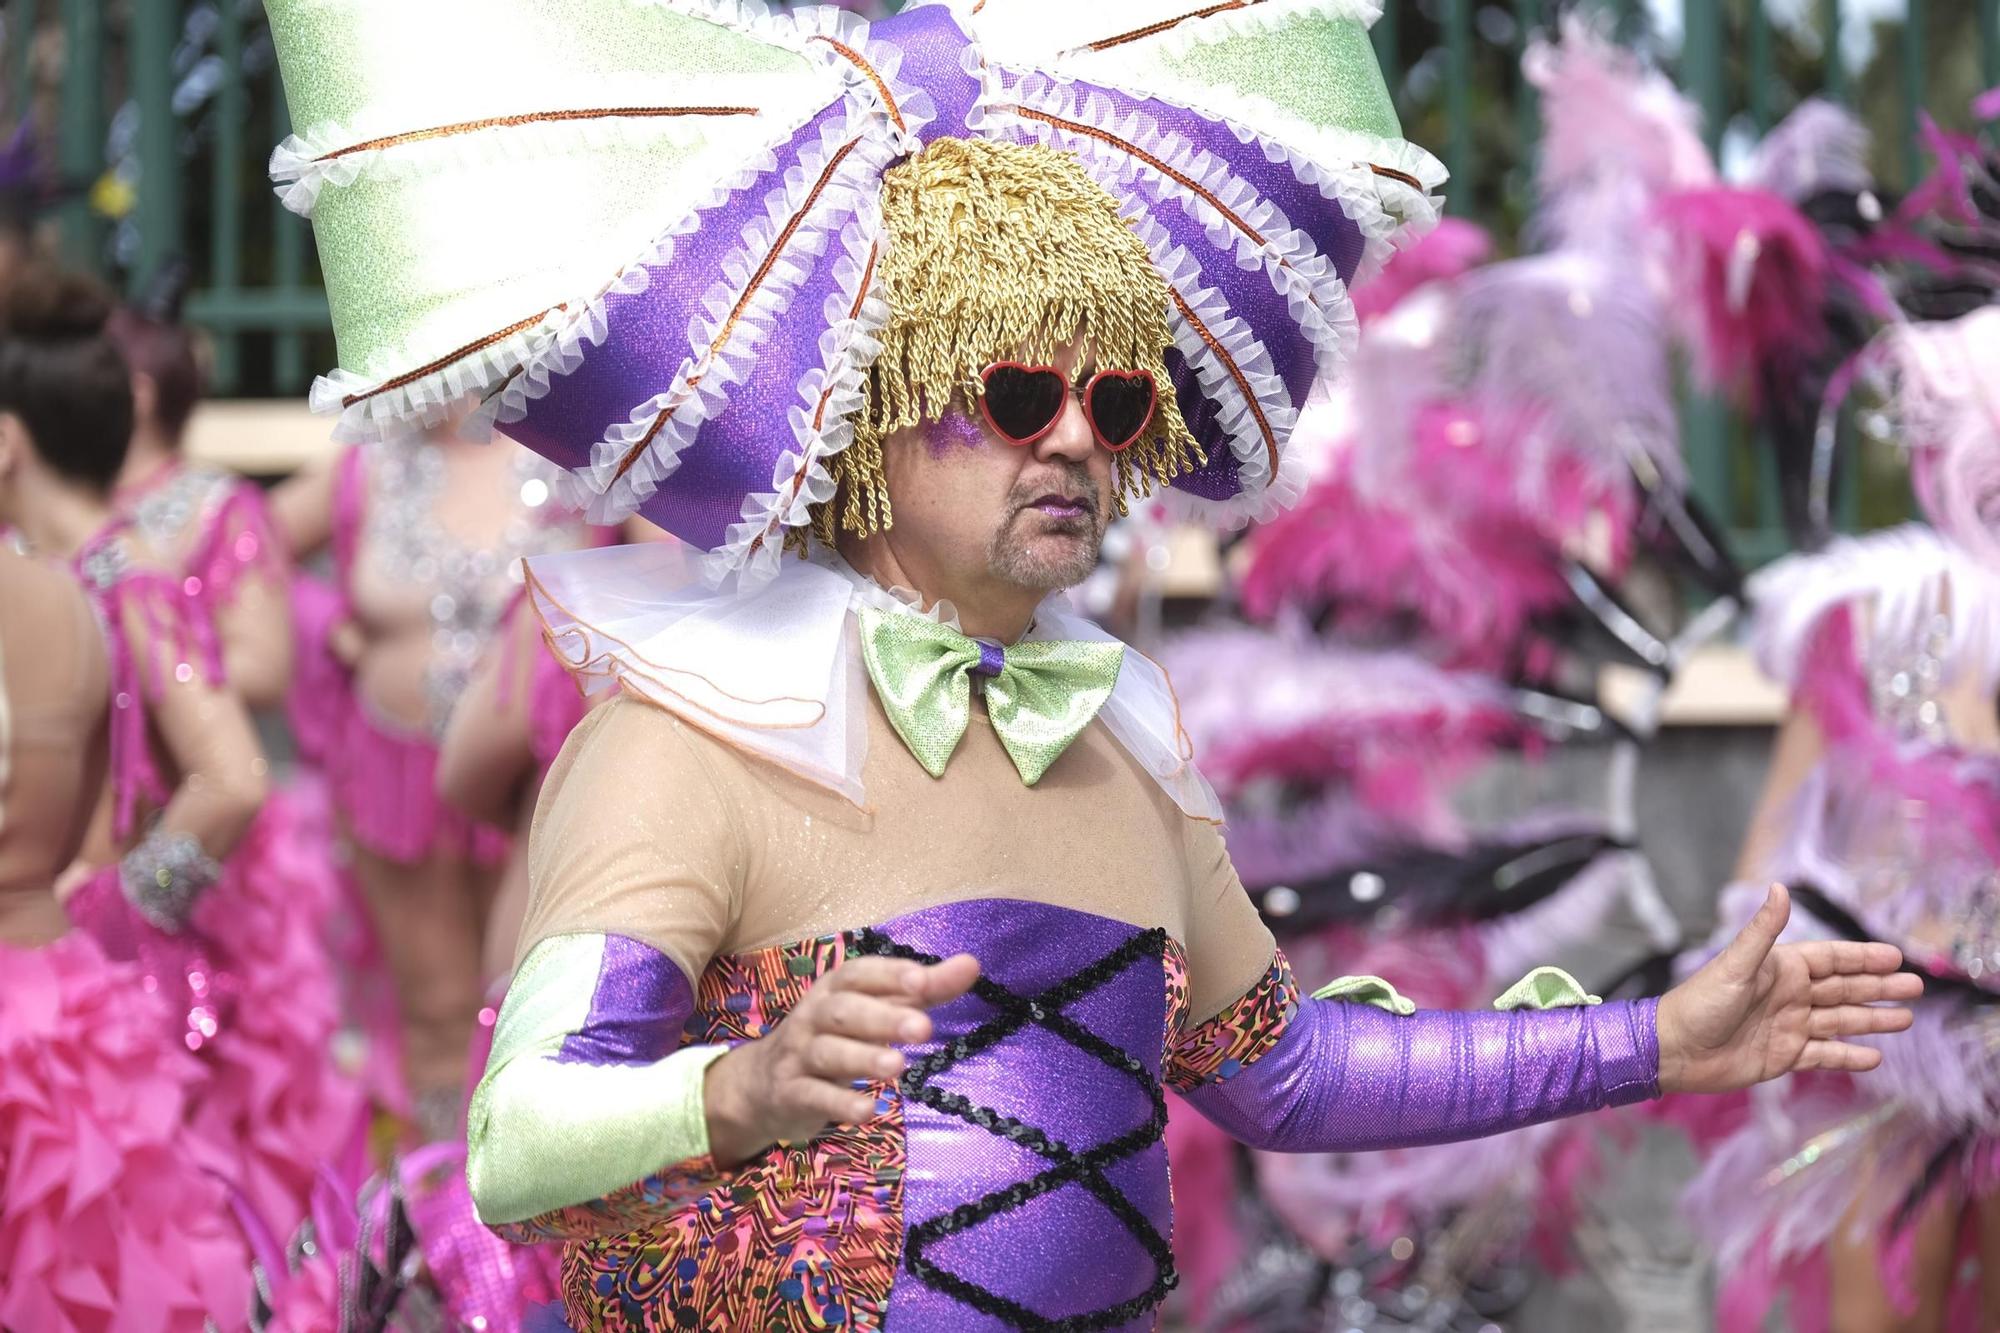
(262, 1000)
(110, 1216)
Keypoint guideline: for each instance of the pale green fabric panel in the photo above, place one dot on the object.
(457, 60)
(543, 1135)
(1367, 990)
(1546, 988)
(419, 266)
(433, 244)
(1320, 69)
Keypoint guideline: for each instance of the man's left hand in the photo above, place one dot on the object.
(1761, 1009)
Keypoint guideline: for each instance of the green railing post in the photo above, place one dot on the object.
(1761, 74)
(1387, 53)
(1989, 42)
(1835, 75)
(18, 24)
(225, 248)
(1528, 18)
(80, 132)
(1459, 155)
(1914, 44)
(1704, 420)
(149, 61)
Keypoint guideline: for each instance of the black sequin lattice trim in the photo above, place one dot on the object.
(1068, 1166)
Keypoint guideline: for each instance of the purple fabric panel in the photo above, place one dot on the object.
(641, 1003)
(1350, 1077)
(1065, 1253)
(1319, 217)
(1220, 476)
(1248, 292)
(735, 452)
(933, 47)
(992, 659)
(646, 342)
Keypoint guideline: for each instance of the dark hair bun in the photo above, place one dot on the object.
(44, 304)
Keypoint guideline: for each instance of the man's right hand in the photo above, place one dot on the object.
(791, 1084)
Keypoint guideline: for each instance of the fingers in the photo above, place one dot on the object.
(835, 1104)
(1832, 958)
(1752, 945)
(1864, 988)
(869, 1018)
(1856, 1020)
(944, 982)
(896, 977)
(844, 1060)
(1838, 1056)
(929, 985)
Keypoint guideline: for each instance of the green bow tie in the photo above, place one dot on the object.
(1040, 696)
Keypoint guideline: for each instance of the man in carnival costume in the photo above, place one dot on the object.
(873, 920)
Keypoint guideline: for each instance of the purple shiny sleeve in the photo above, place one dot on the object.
(1344, 1077)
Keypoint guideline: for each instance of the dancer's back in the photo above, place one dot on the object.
(54, 698)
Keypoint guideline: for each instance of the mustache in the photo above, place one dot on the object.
(1073, 484)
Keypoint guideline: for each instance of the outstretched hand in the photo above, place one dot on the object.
(1761, 1009)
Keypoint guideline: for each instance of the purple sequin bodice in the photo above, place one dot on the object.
(1036, 1185)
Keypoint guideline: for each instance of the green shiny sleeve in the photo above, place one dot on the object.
(590, 1119)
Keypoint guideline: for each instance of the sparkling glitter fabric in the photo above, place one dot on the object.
(1039, 696)
(1349, 1077)
(584, 1092)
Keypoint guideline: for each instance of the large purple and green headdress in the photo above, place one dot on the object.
(645, 235)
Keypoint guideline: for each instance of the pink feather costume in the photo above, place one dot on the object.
(1898, 826)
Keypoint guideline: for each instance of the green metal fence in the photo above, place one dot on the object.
(173, 106)
(164, 115)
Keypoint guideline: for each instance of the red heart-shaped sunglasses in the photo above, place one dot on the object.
(1022, 403)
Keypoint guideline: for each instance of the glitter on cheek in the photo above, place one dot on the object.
(955, 430)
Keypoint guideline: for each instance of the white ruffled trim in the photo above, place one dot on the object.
(298, 175)
(893, 598)
(1905, 578)
(1296, 268)
(556, 345)
(520, 366)
(809, 26)
(702, 386)
(801, 479)
(1337, 162)
(1263, 493)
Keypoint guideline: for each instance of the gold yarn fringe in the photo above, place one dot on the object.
(998, 252)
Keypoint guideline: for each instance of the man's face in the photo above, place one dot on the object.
(973, 509)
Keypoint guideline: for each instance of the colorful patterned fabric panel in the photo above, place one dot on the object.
(806, 1237)
(1216, 1050)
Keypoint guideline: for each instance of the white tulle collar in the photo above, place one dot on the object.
(776, 671)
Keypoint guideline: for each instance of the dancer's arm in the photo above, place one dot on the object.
(590, 1116)
(243, 563)
(487, 760)
(1285, 1072)
(589, 1121)
(302, 507)
(218, 773)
